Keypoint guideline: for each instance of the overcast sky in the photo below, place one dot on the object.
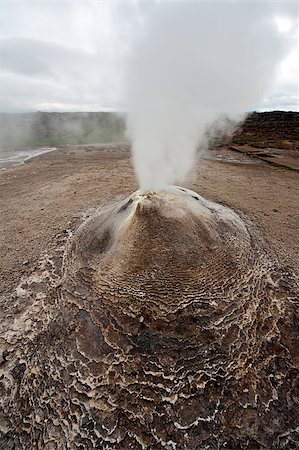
(71, 55)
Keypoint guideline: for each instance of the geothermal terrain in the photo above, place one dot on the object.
(151, 320)
(42, 197)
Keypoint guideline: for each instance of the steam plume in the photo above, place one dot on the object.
(193, 61)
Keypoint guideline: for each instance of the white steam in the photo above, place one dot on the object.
(193, 61)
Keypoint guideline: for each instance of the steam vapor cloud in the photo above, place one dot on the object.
(193, 61)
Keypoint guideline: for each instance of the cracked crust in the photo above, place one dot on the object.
(162, 322)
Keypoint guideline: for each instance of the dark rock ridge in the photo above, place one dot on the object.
(161, 323)
(274, 129)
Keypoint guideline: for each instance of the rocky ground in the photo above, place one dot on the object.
(271, 136)
(276, 129)
(41, 197)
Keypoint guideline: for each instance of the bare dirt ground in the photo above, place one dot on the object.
(40, 198)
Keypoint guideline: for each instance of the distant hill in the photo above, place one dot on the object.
(277, 129)
(52, 129)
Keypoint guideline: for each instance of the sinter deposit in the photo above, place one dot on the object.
(162, 322)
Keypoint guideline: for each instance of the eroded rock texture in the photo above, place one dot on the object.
(161, 323)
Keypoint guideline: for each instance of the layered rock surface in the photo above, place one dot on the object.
(162, 322)
(273, 129)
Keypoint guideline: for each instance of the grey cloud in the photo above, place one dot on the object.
(66, 55)
(38, 72)
(30, 57)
